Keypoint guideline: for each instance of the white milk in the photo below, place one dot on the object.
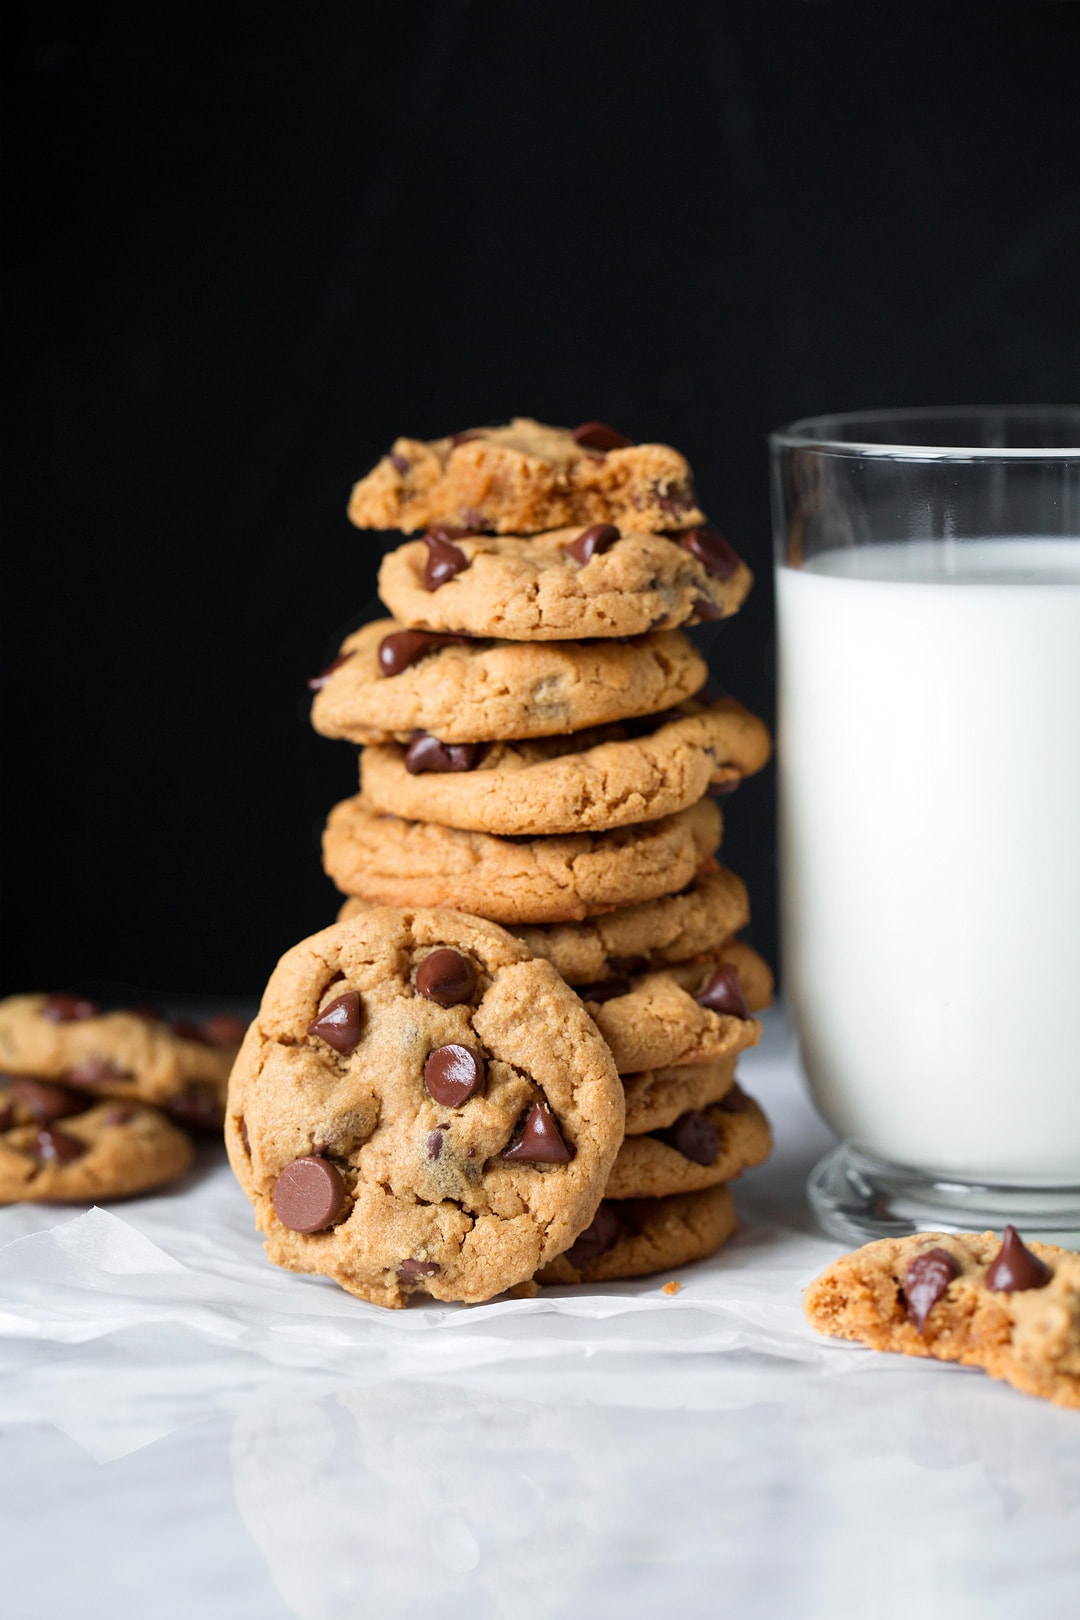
(929, 747)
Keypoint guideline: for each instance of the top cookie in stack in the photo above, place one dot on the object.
(538, 752)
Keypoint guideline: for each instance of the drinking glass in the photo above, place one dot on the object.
(928, 602)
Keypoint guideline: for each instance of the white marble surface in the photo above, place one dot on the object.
(219, 1462)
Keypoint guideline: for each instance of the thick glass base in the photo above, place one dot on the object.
(858, 1198)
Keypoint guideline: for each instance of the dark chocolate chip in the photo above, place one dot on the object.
(409, 1270)
(242, 1127)
(46, 1101)
(539, 1140)
(925, 1280)
(400, 464)
(706, 611)
(1014, 1268)
(625, 965)
(446, 977)
(195, 1105)
(317, 682)
(339, 1022)
(734, 1101)
(65, 1009)
(723, 993)
(605, 990)
(444, 560)
(601, 1234)
(188, 1030)
(452, 1074)
(406, 647)
(592, 541)
(94, 1071)
(712, 549)
(598, 436)
(7, 1116)
(724, 790)
(118, 1114)
(675, 500)
(435, 1141)
(694, 1136)
(57, 1147)
(309, 1195)
(224, 1029)
(427, 753)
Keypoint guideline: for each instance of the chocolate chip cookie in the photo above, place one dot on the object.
(589, 781)
(387, 683)
(635, 1237)
(58, 1147)
(420, 1106)
(656, 1098)
(524, 477)
(564, 586)
(182, 1067)
(701, 1148)
(387, 860)
(1008, 1307)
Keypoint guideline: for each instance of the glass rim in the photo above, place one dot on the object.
(832, 434)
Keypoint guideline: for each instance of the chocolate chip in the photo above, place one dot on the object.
(195, 1105)
(7, 1116)
(592, 541)
(95, 1071)
(224, 1029)
(309, 1195)
(427, 753)
(405, 647)
(444, 560)
(724, 790)
(188, 1030)
(676, 499)
(44, 1100)
(601, 1234)
(706, 611)
(409, 1270)
(446, 977)
(151, 1014)
(598, 436)
(624, 965)
(452, 1074)
(723, 993)
(57, 1147)
(400, 464)
(117, 1115)
(479, 522)
(694, 1136)
(539, 1140)
(1014, 1268)
(925, 1280)
(712, 549)
(317, 682)
(65, 1009)
(463, 438)
(734, 1101)
(605, 990)
(242, 1128)
(339, 1022)
(435, 1141)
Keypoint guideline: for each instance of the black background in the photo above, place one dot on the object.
(248, 244)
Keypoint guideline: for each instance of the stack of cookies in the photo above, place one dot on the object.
(538, 752)
(96, 1105)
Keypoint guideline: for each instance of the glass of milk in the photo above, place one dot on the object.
(928, 601)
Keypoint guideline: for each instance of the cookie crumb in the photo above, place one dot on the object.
(671, 1288)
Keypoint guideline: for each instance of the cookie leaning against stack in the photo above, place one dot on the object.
(537, 752)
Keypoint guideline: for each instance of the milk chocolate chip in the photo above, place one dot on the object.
(339, 1023)
(1014, 1268)
(452, 1074)
(427, 753)
(406, 647)
(712, 550)
(925, 1280)
(723, 993)
(540, 1140)
(590, 542)
(446, 977)
(57, 1147)
(444, 559)
(598, 436)
(65, 1009)
(309, 1195)
(599, 1236)
(317, 682)
(694, 1136)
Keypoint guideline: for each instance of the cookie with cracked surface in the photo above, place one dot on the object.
(421, 1106)
(389, 861)
(388, 683)
(696, 1012)
(521, 589)
(638, 1236)
(656, 1098)
(702, 1148)
(1009, 1307)
(588, 781)
(182, 1067)
(525, 476)
(56, 1147)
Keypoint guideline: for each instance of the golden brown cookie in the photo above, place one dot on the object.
(590, 781)
(420, 1106)
(635, 1237)
(656, 1098)
(182, 1067)
(538, 589)
(690, 1013)
(66, 1150)
(1008, 1307)
(524, 477)
(388, 682)
(700, 1149)
(536, 880)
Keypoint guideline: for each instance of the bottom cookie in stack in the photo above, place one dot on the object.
(634, 1237)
